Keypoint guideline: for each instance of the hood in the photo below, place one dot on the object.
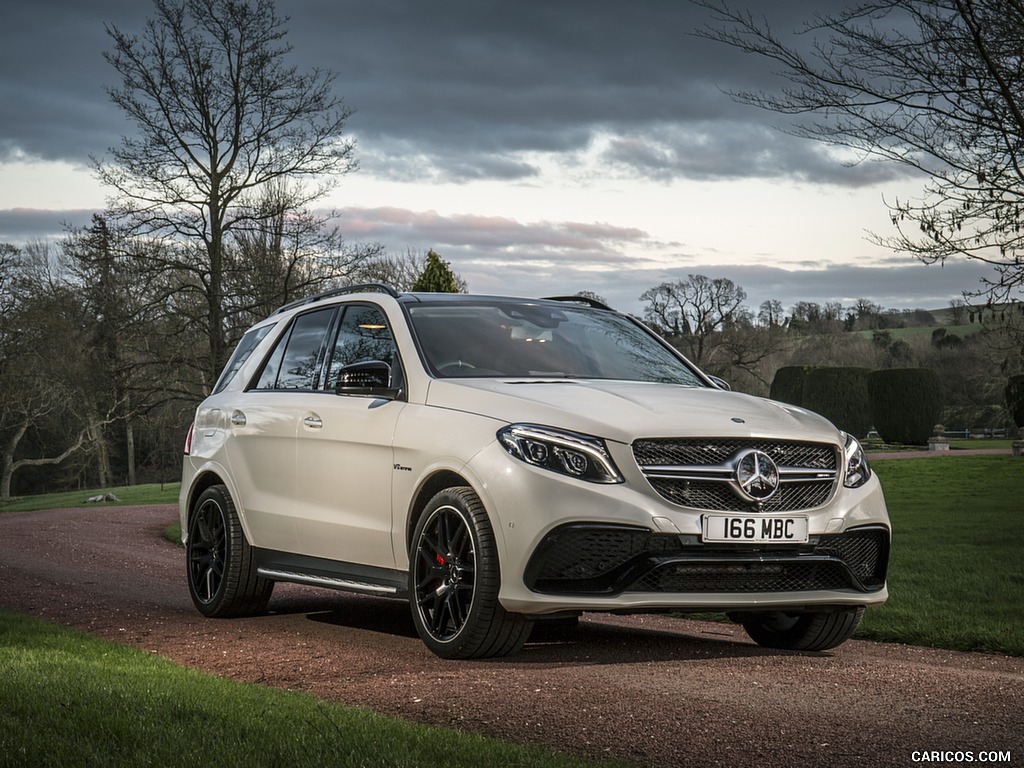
(624, 411)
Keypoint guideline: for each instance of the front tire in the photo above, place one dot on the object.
(820, 631)
(221, 569)
(454, 580)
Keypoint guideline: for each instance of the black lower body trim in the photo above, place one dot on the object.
(321, 572)
(593, 559)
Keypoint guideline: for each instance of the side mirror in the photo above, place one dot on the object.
(367, 379)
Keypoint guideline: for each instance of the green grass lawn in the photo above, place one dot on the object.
(70, 700)
(956, 577)
(955, 444)
(152, 493)
(924, 331)
(960, 444)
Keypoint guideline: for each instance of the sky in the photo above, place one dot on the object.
(542, 147)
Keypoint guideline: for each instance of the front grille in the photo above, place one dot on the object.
(595, 559)
(709, 451)
(717, 496)
(698, 473)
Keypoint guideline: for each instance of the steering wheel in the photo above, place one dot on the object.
(451, 367)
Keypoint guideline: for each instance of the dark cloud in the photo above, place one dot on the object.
(727, 150)
(52, 78)
(22, 225)
(456, 90)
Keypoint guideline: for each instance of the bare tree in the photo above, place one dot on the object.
(220, 115)
(805, 317)
(690, 311)
(290, 253)
(958, 310)
(747, 355)
(770, 314)
(936, 87)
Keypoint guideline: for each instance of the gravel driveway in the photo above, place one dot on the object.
(658, 691)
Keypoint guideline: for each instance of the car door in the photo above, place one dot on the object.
(345, 458)
(264, 422)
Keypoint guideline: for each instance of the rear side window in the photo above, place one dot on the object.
(295, 361)
(245, 347)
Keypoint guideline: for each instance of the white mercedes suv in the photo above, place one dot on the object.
(498, 461)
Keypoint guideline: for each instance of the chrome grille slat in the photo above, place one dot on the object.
(696, 472)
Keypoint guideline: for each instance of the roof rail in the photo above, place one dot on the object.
(367, 288)
(580, 300)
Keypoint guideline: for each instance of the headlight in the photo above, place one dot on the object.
(567, 453)
(857, 469)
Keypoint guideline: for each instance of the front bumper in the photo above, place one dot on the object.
(588, 559)
(569, 545)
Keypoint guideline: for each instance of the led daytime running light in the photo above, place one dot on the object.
(566, 453)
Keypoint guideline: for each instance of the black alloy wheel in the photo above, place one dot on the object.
(221, 569)
(207, 550)
(454, 581)
(446, 573)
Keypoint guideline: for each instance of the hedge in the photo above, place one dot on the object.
(788, 384)
(841, 396)
(1015, 398)
(906, 403)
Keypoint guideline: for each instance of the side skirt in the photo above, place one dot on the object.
(331, 574)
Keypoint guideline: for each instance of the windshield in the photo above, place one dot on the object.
(502, 339)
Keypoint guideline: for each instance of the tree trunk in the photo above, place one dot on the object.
(7, 468)
(130, 448)
(215, 294)
(98, 439)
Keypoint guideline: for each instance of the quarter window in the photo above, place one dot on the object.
(242, 352)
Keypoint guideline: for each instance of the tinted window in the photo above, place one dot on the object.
(295, 360)
(364, 335)
(533, 340)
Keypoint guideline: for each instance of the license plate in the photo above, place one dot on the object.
(755, 530)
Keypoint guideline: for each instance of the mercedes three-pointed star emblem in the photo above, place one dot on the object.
(756, 475)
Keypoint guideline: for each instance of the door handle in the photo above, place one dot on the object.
(313, 421)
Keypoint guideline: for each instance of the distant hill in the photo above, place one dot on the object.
(960, 321)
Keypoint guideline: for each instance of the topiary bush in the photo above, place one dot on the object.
(788, 384)
(841, 396)
(1015, 399)
(906, 403)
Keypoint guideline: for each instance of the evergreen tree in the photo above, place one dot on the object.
(437, 277)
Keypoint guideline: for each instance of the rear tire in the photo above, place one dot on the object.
(454, 580)
(819, 631)
(221, 569)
